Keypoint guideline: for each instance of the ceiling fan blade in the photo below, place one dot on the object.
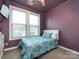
(42, 2)
(30, 2)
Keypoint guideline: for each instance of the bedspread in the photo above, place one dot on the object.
(35, 46)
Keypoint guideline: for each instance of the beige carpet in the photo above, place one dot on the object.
(54, 54)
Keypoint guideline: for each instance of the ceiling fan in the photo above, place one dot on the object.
(31, 2)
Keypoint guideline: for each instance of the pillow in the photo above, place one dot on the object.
(54, 36)
(48, 35)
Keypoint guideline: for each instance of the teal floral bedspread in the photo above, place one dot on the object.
(35, 46)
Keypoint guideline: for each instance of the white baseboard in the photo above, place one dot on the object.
(8, 49)
(1, 55)
(70, 50)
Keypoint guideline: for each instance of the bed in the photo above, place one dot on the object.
(32, 47)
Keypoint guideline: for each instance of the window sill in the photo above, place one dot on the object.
(15, 38)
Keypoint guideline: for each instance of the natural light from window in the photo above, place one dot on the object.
(23, 23)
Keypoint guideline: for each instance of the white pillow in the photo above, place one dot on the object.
(55, 36)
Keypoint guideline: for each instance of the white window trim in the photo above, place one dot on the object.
(28, 21)
(27, 12)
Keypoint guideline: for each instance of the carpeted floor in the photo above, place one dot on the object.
(54, 54)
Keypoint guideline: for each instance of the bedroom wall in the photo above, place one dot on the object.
(65, 18)
(5, 26)
(0, 26)
(1, 17)
(0, 21)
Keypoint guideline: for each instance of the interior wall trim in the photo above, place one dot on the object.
(8, 49)
(70, 50)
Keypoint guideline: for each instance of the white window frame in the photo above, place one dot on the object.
(27, 17)
(34, 25)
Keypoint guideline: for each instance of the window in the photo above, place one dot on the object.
(34, 24)
(23, 23)
(18, 23)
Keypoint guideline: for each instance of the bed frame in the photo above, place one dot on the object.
(55, 33)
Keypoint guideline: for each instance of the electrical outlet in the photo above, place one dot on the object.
(6, 44)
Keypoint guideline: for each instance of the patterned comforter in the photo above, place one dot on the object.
(35, 46)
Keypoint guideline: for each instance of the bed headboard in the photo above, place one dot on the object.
(55, 33)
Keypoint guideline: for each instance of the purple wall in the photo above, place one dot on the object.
(0, 26)
(0, 23)
(5, 26)
(0, 15)
(65, 18)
